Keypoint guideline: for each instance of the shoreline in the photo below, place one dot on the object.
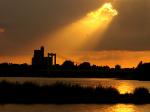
(62, 93)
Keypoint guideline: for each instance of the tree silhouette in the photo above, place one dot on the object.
(85, 65)
(68, 65)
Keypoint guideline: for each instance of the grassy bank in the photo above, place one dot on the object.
(60, 93)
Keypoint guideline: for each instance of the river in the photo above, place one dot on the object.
(123, 86)
(76, 108)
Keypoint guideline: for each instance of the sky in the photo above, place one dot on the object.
(25, 25)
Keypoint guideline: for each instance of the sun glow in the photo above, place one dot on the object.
(75, 35)
(125, 87)
(123, 108)
(2, 30)
(105, 13)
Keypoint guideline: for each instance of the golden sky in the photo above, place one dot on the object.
(123, 39)
(102, 58)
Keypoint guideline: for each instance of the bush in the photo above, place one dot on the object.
(141, 92)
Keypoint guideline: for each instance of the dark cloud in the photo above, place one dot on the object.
(25, 21)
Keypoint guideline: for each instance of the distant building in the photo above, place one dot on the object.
(39, 60)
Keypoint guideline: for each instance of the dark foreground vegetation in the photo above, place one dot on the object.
(60, 93)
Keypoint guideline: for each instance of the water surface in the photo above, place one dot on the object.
(76, 108)
(124, 86)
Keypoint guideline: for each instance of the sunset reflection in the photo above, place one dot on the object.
(123, 108)
(125, 87)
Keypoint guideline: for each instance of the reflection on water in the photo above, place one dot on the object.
(123, 108)
(124, 86)
(75, 108)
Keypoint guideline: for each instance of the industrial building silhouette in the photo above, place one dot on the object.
(39, 60)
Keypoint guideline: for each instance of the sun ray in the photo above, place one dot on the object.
(73, 36)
